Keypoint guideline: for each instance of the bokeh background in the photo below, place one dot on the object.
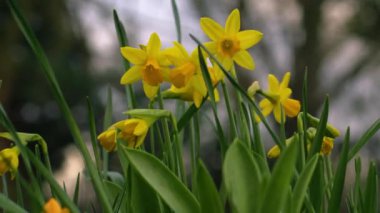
(337, 41)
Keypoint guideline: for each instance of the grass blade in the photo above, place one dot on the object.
(302, 184)
(364, 139)
(318, 139)
(340, 175)
(8, 205)
(177, 20)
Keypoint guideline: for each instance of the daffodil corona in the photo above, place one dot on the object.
(229, 43)
(150, 65)
(278, 98)
(52, 206)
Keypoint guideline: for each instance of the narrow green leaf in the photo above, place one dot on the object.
(275, 194)
(8, 205)
(318, 139)
(242, 178)
(123, 41)
(364, 139)
(176, 19)
(76, 191)
(208, 195)
(92, 129)
(371, 191)
(144, 198)
(302, 184)
(163, 181)
(340, 175)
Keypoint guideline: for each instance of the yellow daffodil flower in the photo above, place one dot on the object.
(185, 65)
(52, 206)
(229, 43)
(150, 65)
(277, 97)
(133, 131)
(9, 161)
(186, 77)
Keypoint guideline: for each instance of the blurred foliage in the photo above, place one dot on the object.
(25, 93)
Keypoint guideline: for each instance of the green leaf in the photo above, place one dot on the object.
(8, 205)
(92, 129)
(318, 139)
(176, 19)
(302, 184)
(242, 178)
(114, 191)
(163, 181)
(371, 191)
(144, 198)
(208, 195)
(76, 191)
(364, 139)
(277, 190)
(340, 175)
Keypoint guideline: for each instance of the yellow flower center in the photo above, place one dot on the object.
(181, 75)
(229, 46)
(151, 73)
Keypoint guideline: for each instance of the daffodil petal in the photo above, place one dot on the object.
(285, 81)
(248, 38)
(132, 75)
(150, 91)
(141, 128)
(140, 140)
(266, 107)
(212, 29)
(154, 45)
(292, 107)
(277, 113)
(274, 85)
(244, 59)
(227, 63)
(233, 22)
(182, 50)
(197, 98)
(134, 55)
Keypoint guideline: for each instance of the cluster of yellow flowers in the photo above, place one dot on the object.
(154, 65)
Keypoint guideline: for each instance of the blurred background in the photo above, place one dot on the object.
(337, 41)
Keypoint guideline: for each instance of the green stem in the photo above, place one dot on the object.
(168, 145)
(179, 152)
(229, 110)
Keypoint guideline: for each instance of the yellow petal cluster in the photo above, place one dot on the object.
(9, 161)
(131, 131)
(230, 44)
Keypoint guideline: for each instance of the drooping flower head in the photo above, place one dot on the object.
(9, 161)
(52, 206)
(131, 131)
(229, 43)
(277, 97)
(150, 65)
